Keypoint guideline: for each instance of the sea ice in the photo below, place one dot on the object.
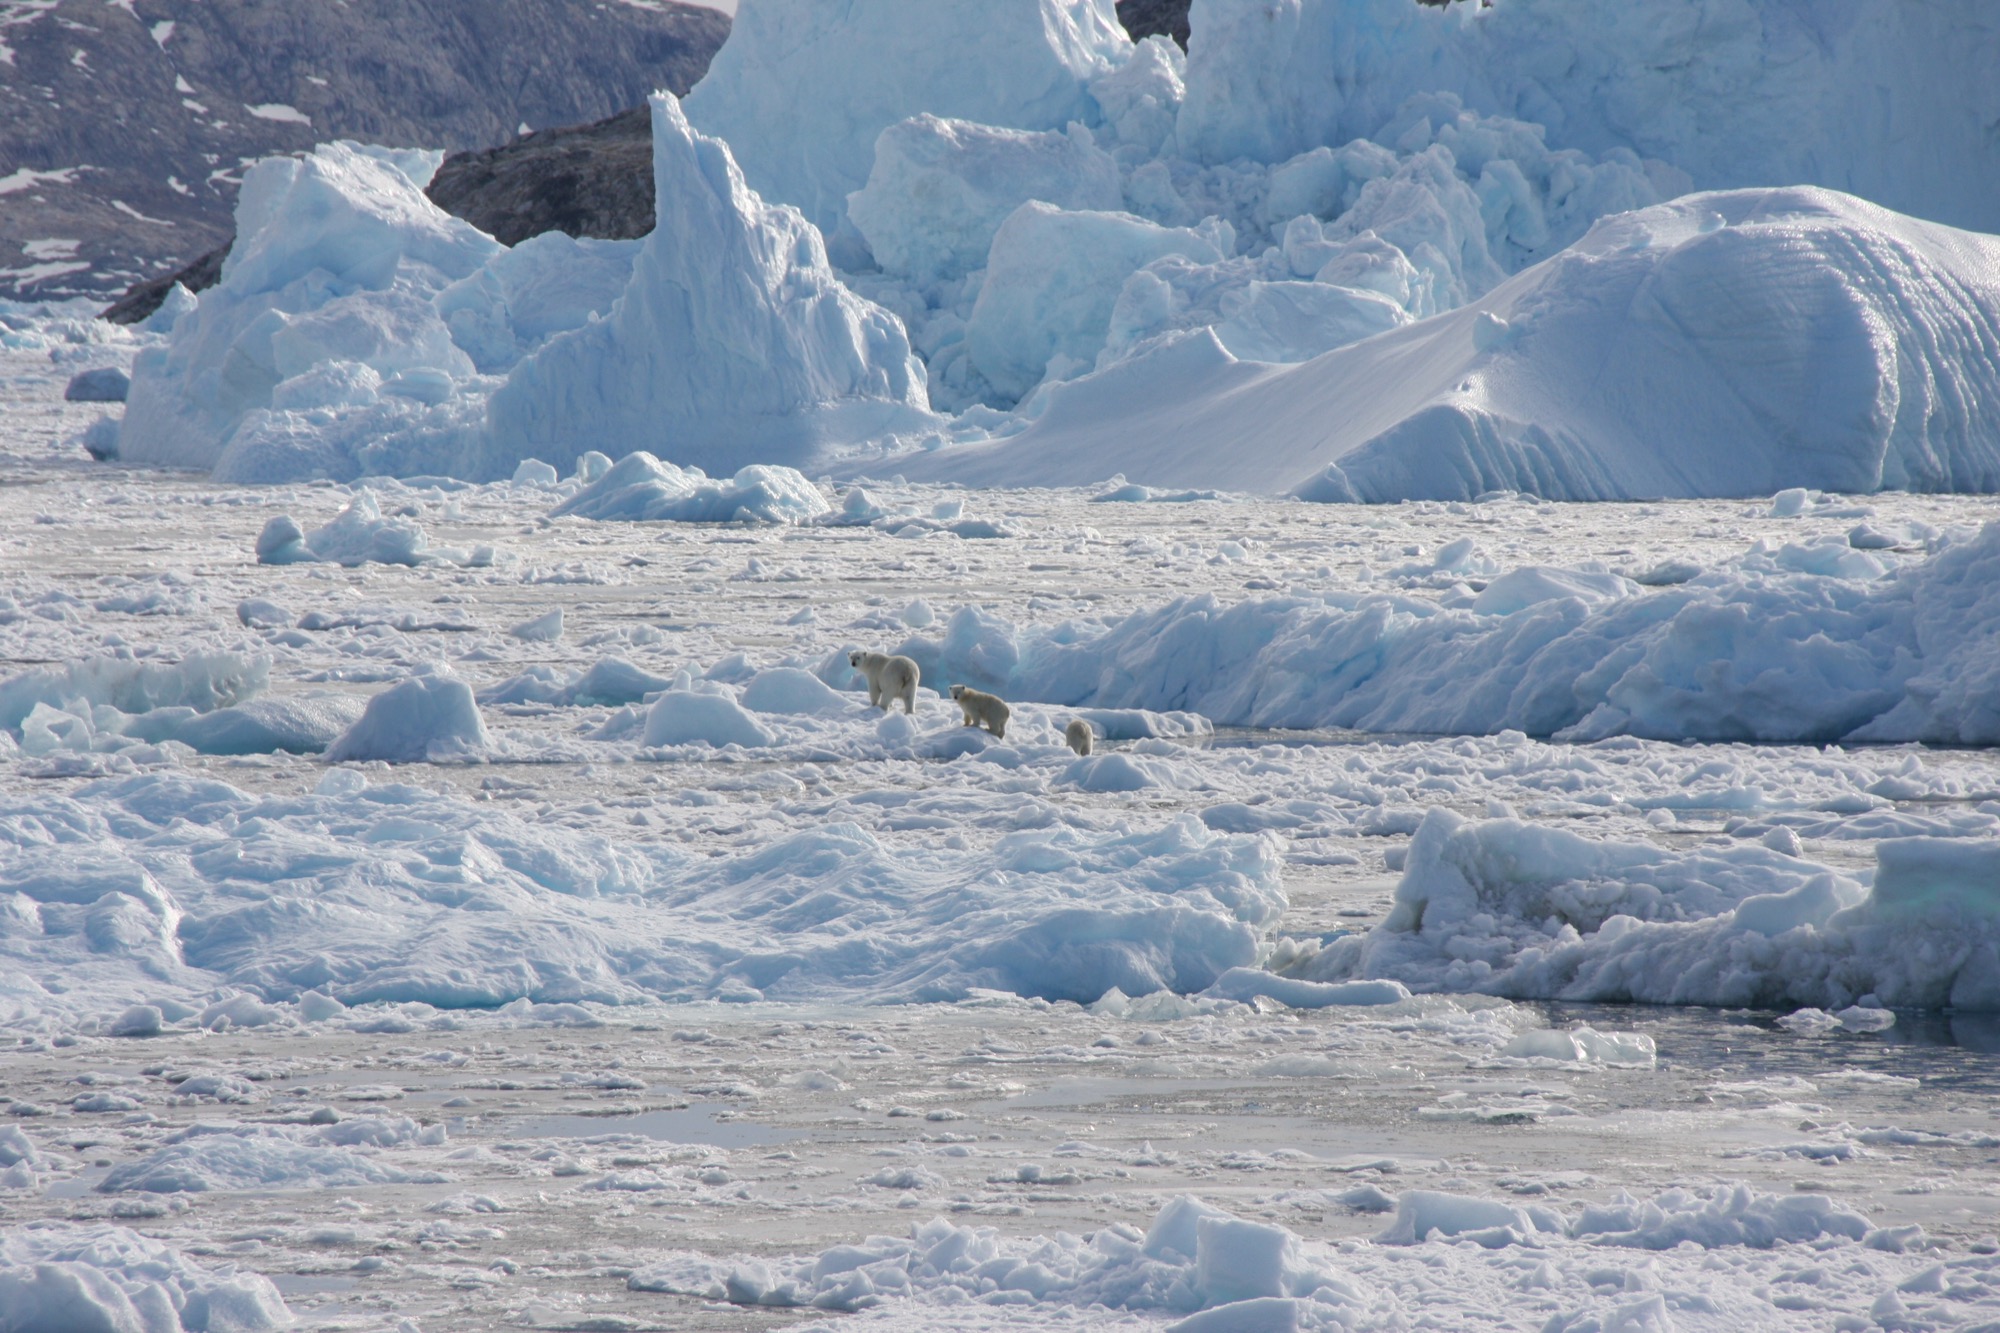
(429, 717)
(73, 1276)
(1508, 908)
(1757, 653)
(641, 488)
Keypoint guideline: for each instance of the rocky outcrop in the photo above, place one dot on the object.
(586, 180)
(1155, 18)
(125, 127)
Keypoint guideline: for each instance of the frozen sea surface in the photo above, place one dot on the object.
(477, 1149)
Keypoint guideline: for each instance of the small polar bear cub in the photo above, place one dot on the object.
(983, 709)
(1079, 735)
(889, 679)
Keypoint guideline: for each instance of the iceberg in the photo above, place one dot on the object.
(734, 343)
(1726, 344)
(802, 89)
(326, 296)
(359, 330)
(1878, 98)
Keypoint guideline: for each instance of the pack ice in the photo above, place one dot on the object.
(1530, 911)
(156, 899)
(1802, 642)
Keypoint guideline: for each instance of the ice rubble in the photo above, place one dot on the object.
(131, 892)
(1759, 652)
(641, 488)
(360, 330)
(59, 1277)
(1226, 1274)
(430, 717)
(1508, 908)
(207, 1157)
(208, 702)
(361, 534)
(1722, 344)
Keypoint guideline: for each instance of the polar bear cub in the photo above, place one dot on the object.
(889, 679)
(983, 709)
(1079, 735)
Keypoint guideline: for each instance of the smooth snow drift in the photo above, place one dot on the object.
(1723, 344)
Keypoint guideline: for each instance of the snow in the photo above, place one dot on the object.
(1509, 908)
(684, 717)
(459, 877)
(1222, 1272)
(380, 329)
(1679, 84)
(642, 488)
(106, 384)
(734, 342)
(1053, 277)
(358, 535)
(281, 112)
(939, 190)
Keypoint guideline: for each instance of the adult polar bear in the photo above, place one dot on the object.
(889, 679)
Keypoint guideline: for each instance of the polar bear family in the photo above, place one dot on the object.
(892, 677)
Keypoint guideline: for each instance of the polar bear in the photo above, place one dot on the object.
(889, 679)
(980, 708)
(1079, 735)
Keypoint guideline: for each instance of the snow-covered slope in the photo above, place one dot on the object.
(1724, 344)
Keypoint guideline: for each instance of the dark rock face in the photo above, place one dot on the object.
(125, 127)
(587, 180)
(1155, 18)
(1169, 18)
